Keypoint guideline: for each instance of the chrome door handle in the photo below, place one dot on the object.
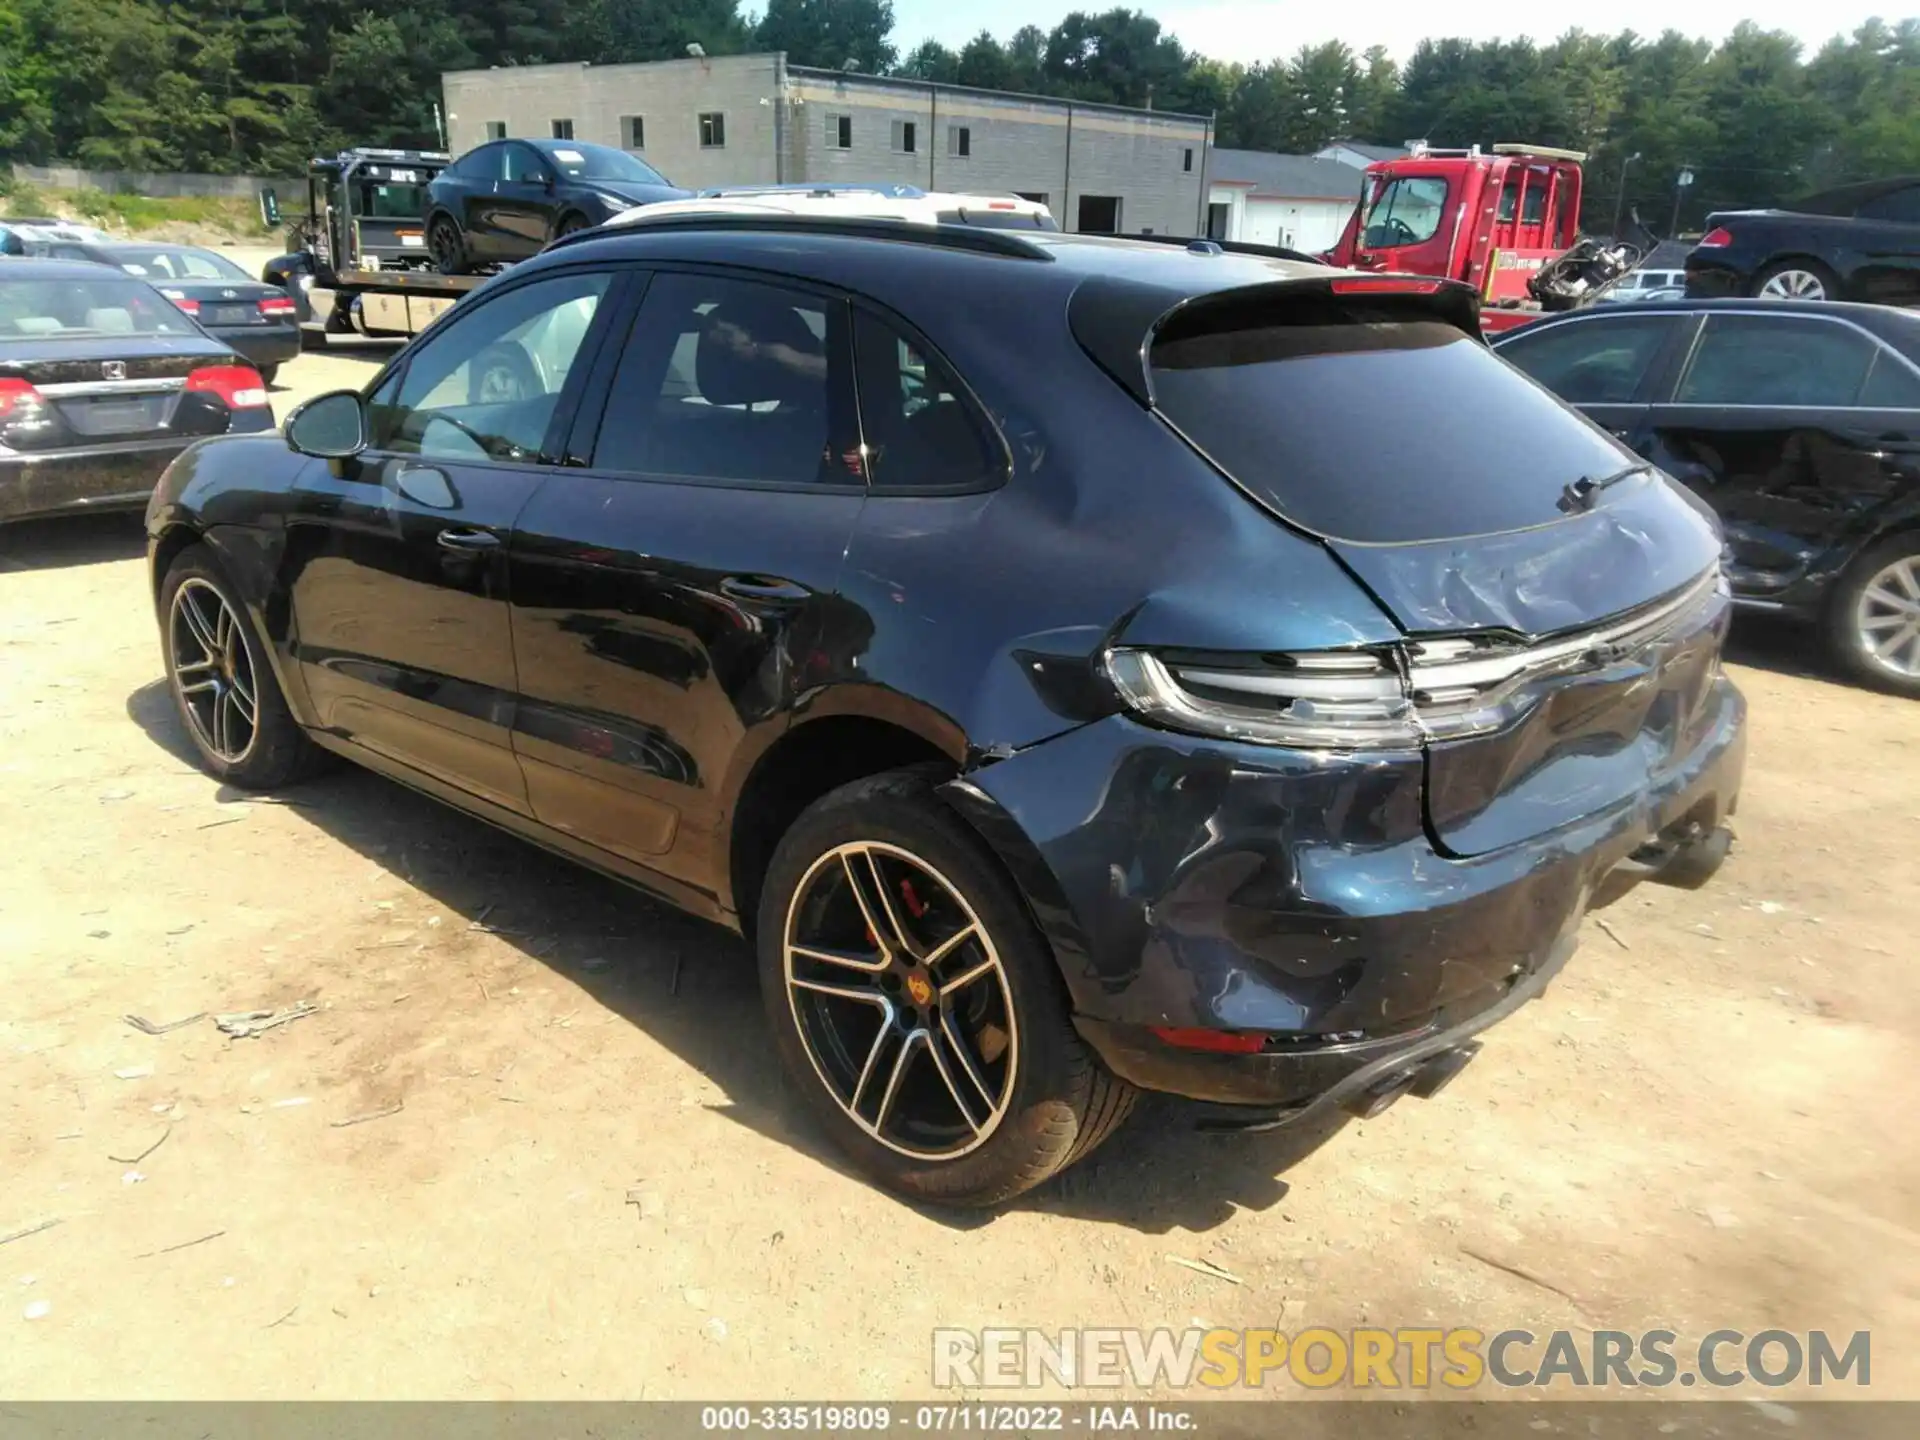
(468, 541)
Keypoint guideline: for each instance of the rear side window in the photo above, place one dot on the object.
(1776, 360)
(920, 429)
(1592, 362)
(1361, 425)
(1892, 384)
(733, 380)
(1899, 205)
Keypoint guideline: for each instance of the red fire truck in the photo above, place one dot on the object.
(1506, 221)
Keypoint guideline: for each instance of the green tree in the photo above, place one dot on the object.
(830, 33)
(930, 60)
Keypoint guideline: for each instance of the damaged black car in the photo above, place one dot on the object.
(1079, 666)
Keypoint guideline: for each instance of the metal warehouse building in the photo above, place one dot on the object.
(755, 120)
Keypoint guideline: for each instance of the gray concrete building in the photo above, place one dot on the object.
(755, 120)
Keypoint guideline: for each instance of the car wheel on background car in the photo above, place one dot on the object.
(223, 688)
(446, 246)
(1873, 617)
(1796, 280)
(267, 372)
(573, 224)
(916, 1005)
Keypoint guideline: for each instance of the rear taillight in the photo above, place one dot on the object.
(22, 408)
(1383, 285)
(239, 386)
(277, 307)
(1220, 1042)
(1717, 238)
(1431, 690)
(182, 303)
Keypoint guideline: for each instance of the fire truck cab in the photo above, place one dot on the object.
(1494, 219)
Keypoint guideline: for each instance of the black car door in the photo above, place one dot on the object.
(523, 205)
(667, 582)
(1774, 422)
(397, 560)
(1609, 365)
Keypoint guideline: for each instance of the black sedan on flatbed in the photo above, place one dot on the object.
(102, 382)
(258, 320)
(1859, 242)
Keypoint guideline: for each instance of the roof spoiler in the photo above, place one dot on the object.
(1117, 321)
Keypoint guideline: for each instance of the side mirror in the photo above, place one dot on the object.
(329, 427)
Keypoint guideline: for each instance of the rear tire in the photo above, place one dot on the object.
(1872, 620)
(1796, 280)
(447, 246)
(941, 1061)
(223, 687)
(268, 372)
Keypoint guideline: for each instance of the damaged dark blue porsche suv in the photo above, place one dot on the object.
(1078, 665)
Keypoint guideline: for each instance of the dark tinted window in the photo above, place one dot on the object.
(481, 164)
(1375, 430)
(1891, 384)
(1901, 205)
(1592, 362)
(485, 382)
(920, 429)
(733, 380)
(1776, 360)
(524, 165)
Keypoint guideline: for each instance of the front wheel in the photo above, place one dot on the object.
(573, 225)
(223, 688)
(1873, 618)
(916, 1005)
(1796, 280)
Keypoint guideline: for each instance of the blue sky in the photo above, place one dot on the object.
(1249, 30)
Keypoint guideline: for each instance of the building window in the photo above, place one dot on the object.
(839, 132)
(1038, 197)
(563, 129)
(496, 129)
(905, 134)
(960, 140)
(633, 132)
(713, 130)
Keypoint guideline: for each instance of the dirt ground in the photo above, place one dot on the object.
(510, 1156)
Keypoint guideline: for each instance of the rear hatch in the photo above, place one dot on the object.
(1562, 610)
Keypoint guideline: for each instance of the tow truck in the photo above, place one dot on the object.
(1506, 221)
(359, 262)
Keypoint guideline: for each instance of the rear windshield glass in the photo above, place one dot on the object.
(178, 264)
(1378, 432)
(41, 309)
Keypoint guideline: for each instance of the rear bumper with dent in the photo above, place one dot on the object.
(1194, 884)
